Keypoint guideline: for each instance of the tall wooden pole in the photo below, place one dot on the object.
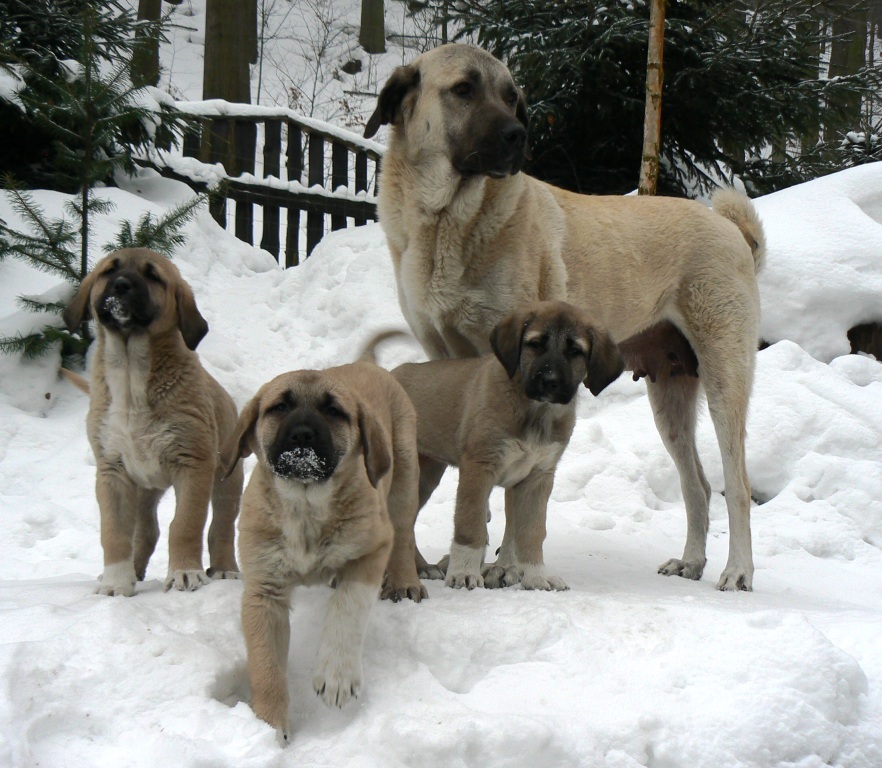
(652, 114)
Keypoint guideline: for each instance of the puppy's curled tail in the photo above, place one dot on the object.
(368, 352)
(736, 206)
(78, 381)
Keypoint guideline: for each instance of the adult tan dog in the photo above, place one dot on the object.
(505, 419)
(337, 458)
(472, 239)
(156, 420)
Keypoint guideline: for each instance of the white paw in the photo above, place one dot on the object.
(535, 577)
(734, 579)
(186, 581)
(118, 579)
(464, 567)
(688, 569)
(338, 680)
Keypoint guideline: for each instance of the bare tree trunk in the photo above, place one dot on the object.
(230, 46)
(652, 113)
(847, 56)
(144, 67)
(372, 36)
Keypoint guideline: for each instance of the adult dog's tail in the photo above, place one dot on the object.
(736, 206)
(369, 351)
(78, 381)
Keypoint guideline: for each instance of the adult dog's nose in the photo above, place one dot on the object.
(514, 135)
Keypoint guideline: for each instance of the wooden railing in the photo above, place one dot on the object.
(274, 166)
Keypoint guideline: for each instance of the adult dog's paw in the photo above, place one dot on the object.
(535, 577)
(117, 580)
(735, 579)
(688, 569)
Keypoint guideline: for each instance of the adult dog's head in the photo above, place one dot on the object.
(305, 425)
(137, 291)
(456, 102)
(555, 347)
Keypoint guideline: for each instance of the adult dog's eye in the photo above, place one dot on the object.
(464, 90)
(511, 99)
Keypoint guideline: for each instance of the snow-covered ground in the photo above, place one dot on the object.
(628, 668)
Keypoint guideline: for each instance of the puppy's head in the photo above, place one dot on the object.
(460, 103)
(137, 291)
(304, 425)
(554, 347)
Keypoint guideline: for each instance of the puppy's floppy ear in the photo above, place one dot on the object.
(375, 444)
(402, 80)
(78, 309)
(241, 442)
(605, 363)
(193, 326)
(506, 339)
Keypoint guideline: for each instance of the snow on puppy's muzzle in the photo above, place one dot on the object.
(303, 449)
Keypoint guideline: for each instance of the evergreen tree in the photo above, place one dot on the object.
(53, 246)
(739, 80)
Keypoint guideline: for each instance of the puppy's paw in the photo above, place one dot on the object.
(464, 567)
(215, 573)
(688, 569)
(117, 580)
(338, 680)
(734, 579)
(498, 576)
(467, 580)
(186, 581)
(415, 592)
(283, 737)
(535, 577)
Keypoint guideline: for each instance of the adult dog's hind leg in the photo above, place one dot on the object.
(674, 406)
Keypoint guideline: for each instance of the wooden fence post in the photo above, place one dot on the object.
(315, 219)
(339, 178)
(295, 173)
(272, 150)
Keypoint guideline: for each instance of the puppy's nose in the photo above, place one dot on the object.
(514, 134)
(122, 286)
(301, 436)
(550, 382)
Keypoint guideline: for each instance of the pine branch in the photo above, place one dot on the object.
(163, 234)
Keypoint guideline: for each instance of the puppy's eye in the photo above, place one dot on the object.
(334, 411)
(537, 343)
(464, 90)
(574, 352)
(111, 268)
(151, 274)
(511, 99)
(280, 407)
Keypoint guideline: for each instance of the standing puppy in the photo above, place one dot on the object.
(472, 239)
(336, 454)
(504, 420)
(156, 419)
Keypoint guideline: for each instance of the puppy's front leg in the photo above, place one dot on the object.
(117, 499)
(267, 633)
(529, 502)
(470, 525)
(338, 677)
(192, 493)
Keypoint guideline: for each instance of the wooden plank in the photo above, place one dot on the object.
(245, 146)
(272, 150)
(315, 219)
(294, 160)
(361, 179)
(339, 178)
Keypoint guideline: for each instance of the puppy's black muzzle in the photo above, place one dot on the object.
(551, 380)
(125, 303)
(304, 449)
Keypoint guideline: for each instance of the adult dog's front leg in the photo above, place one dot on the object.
(339, 674)
(267, 633)
(117, 499)
(470, 525)
(192, 493)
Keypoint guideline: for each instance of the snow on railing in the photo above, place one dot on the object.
(263, 160)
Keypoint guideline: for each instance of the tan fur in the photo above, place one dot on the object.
(476, 414)
(468, 248)
(295, 532)
(156, 419)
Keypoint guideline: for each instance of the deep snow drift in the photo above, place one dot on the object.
(628, 668)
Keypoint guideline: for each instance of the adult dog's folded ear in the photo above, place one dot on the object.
(605, 363)
(506, 339)
(375, 445)
(242, 442)
(389, 103)
(78, 309)
(193, 326)
(524, 119)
